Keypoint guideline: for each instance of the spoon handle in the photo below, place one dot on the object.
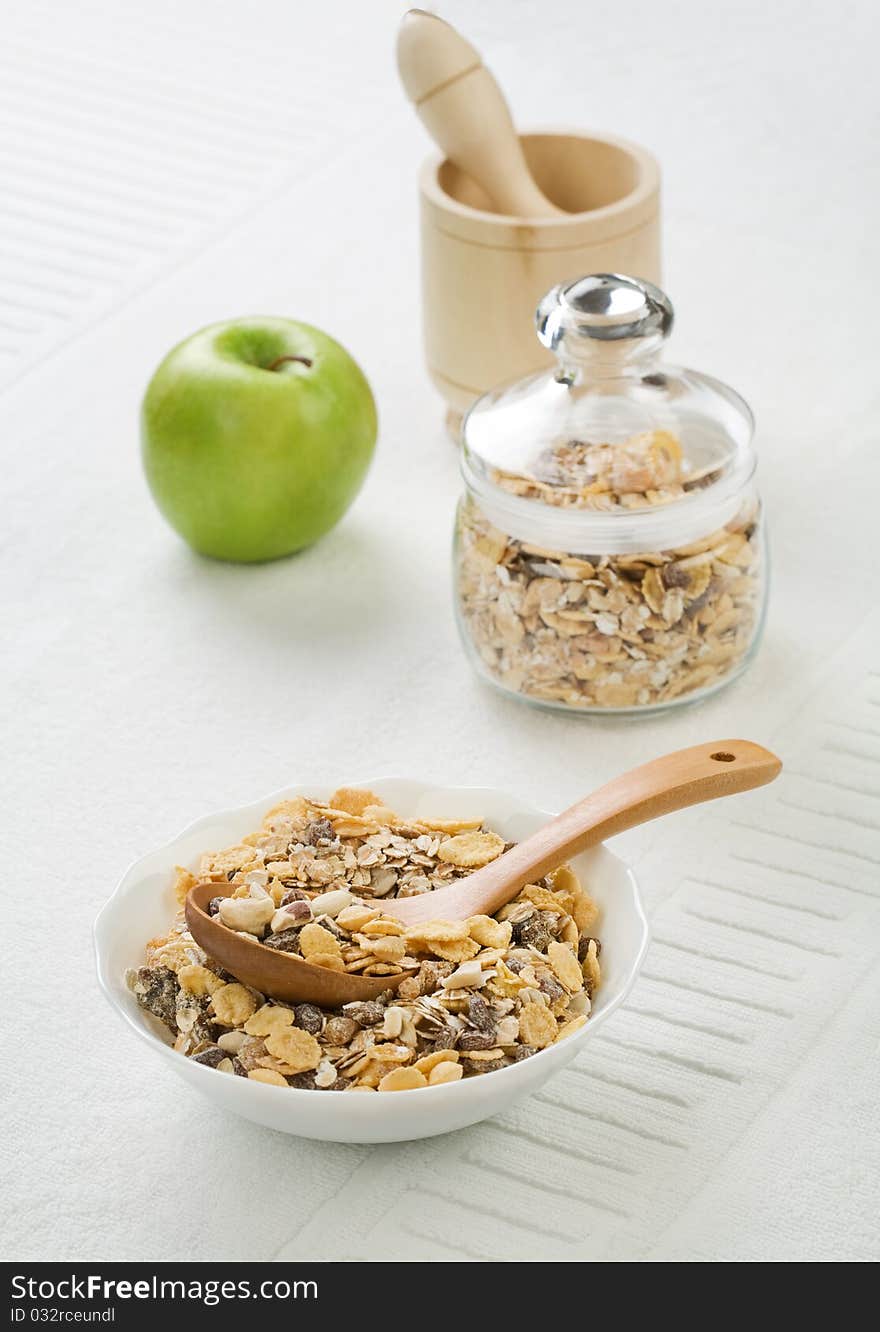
(686, 777)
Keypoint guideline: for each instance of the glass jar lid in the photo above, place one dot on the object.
(612, 450)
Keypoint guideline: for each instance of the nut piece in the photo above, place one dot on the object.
(330, 904)
(267, 1075)
(287, 917)
(233, 1004)
(250, 914)
(403, 1079)
(468, 976)
(231, 1041)
(393, 1024)
(326, 1074)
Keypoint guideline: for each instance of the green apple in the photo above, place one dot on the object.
(256, 435)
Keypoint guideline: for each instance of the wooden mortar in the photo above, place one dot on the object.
(483, 273)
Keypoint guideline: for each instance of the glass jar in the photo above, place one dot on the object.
(609, 552)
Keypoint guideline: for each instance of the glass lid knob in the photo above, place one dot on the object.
(605, 307)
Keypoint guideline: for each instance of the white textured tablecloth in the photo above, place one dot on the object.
(164, 168)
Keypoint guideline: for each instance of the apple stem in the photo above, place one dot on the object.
(303, 360)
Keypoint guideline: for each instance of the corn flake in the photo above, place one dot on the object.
(489, 933)
(296, 1049)
(353, 799)
(566, 966)
(233, 1004)
(198, 980)
(470, 850)
(269, 1018)
(314, 938)
(402, 1079)
(537, 1025)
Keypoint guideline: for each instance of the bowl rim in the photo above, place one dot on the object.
(646, 186)
(141, 865)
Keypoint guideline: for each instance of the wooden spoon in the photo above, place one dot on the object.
(687, 777)
(464, 111)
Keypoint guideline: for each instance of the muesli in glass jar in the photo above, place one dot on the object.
(609, 551)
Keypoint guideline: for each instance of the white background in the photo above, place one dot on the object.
(165, 168)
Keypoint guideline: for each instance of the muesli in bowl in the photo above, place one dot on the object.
(143, 906)
(465, 998)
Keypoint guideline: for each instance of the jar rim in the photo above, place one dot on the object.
(621, 532)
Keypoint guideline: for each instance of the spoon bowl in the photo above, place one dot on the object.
(281, 975)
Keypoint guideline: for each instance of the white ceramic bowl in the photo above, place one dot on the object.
(143, 905)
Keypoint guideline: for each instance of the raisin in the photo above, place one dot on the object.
(285, 942)
(480, 1014)
(294, 895)
(339, 1030)
(550, 986)
(445, 1038)
(584, 944)
(308, 1017)
(159, 996)
(212, 1056)
(674, 576)
(521, 1052)
(253, 1049)
(320, 830)
(214, 905)
(339, 1085)
(202, 1032)
(367, 1013)
(533, 933)
(305, 1081)
(430, 974)
(488, 1065)
(476, 1040)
